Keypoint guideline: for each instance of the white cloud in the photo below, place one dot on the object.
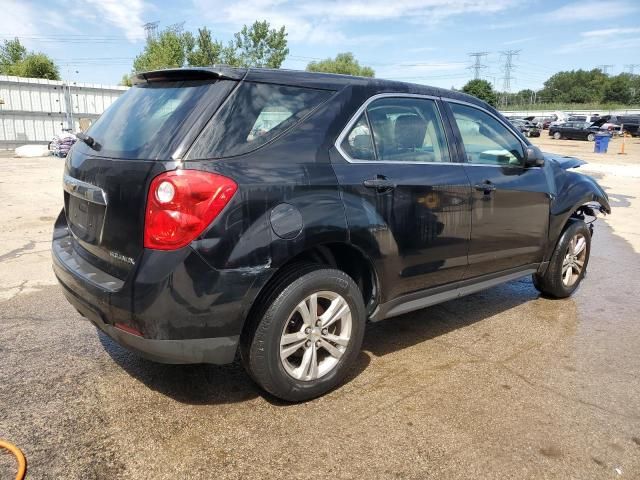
(319, 22)
(609, 32)
(603, 39)
(519, 40)
(23, 18)
(123, 15)
(591, 10)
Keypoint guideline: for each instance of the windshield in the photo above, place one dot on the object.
(149, 120)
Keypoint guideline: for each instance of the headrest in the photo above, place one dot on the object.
(410, 131)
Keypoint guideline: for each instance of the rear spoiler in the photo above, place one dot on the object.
(196, 73)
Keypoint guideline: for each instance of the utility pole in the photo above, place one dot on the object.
(605, 68)
(508, 68)
(477, 64)
(151, 30)
(631, 67)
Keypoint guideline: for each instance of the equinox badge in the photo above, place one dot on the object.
(122, 258)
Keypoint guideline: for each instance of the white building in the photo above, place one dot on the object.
(33, 110)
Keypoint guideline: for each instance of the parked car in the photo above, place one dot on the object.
(546, 122)
(528, 128)
(577, 118)
(628, 123)
(272, 213)
(575, 131)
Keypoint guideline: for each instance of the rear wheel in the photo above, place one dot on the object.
(568, 264)
(557, 135)
(306, 333)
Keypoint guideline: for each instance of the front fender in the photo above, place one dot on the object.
(572, 191)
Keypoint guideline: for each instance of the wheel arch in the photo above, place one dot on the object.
(342, 256)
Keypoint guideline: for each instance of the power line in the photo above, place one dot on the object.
(508, 68)
(631, 67)
(605, 68)
(477, 64)
(151, 30)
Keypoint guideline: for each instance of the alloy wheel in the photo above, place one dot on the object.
(574, 260)
(315, 336)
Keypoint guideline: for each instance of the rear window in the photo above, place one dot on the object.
(150, 120)
(255, 114)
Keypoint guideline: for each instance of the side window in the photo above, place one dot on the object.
(407, 130)
(486, 140)
(358, 144)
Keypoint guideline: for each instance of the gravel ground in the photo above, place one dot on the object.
(500, 384)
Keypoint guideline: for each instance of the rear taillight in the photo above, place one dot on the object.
(181, 204)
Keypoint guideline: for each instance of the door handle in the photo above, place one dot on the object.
(487, 187)
(380, 183)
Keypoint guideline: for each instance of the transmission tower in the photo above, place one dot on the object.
(477, 64)
(631, 67)
(605, 68)
(151, 30)
(508, 68)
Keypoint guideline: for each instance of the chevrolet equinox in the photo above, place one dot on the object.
(218, 212)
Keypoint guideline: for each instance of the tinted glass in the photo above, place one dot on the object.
(358, 143)
(144, 121)
(253, 115)
(407, 130)
(486, 140)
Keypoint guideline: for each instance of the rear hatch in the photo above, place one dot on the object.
(141, 135)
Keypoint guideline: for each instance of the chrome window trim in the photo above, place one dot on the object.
(362, 109)
(482, 109)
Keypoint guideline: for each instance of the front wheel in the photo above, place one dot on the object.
(568, 264)
(591, 137)
(557, 135)
(306, 333)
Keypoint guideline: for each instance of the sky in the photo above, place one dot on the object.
(420, 41)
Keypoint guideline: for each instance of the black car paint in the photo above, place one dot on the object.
(407, 238)
(572, 132)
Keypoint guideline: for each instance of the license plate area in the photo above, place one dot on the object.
(85, 219)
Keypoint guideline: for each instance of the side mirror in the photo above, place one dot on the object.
(533, 157)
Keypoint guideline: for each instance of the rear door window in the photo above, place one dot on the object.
(149, 120)
(253, 115)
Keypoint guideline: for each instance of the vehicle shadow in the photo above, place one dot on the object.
(416, 327)
(212, 384)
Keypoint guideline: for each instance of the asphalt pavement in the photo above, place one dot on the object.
(500, 384)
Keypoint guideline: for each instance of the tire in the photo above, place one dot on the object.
(527, 134)
(312, 369)
(591, 137)
(557, 135)
(554, 281)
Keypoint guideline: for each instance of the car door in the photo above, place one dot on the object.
(406, 200)
(510, 206)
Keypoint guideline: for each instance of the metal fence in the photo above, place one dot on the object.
(33, 110)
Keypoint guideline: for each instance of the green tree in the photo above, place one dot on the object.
(167, 50)
(206, 51)
(344, 63)
(577, 86)
(15, 60)
(259, 46)
(11, 52)
(618, 89)
(255, 46)
(481, 89)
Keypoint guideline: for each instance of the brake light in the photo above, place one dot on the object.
(181, 204)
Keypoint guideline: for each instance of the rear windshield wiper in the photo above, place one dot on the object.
(89, 140)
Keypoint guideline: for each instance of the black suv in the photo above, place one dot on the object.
(270, 214)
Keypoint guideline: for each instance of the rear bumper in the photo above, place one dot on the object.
(186, 311)
(219, 350)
